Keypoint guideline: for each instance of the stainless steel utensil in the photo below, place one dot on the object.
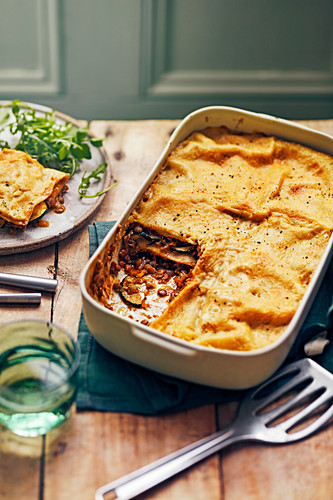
(42, 284)
(20, 298)
(263, 416)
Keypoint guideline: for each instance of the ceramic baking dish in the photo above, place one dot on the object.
(176, 357)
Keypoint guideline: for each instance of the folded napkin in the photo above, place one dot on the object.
(109, 383)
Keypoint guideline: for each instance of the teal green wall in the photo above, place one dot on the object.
(138, 59)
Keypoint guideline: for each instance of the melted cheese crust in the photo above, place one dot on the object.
(260, 210)
(24, 184)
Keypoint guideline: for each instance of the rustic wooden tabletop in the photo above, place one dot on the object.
(93, 448)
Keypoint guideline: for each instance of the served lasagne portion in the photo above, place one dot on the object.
(223, 244)
(27, 189)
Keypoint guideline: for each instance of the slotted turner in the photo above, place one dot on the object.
(302, 385)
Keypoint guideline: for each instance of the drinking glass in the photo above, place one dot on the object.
(38, 376)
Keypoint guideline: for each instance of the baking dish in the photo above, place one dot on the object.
(176, 357)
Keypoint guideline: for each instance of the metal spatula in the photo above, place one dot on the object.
(301, 394)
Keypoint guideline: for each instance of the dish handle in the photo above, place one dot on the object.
(166, 343)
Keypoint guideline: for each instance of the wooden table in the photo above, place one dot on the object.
(94, 448)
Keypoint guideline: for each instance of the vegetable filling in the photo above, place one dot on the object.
(151, 271)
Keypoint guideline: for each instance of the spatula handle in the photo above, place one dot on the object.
(155, 473)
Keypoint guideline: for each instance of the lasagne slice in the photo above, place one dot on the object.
(24, 185)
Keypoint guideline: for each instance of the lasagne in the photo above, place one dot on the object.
(27, 188)
(223, 244)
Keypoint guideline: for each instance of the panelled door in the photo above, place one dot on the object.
(138, 59)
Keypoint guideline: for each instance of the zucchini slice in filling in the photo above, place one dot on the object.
(130, 292)
(162, 246)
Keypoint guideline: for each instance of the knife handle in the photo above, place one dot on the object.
(42, 284)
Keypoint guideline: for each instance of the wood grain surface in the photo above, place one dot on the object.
(93, 448)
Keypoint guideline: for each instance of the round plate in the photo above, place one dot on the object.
(78, 210)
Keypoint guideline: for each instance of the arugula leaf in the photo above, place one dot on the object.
(62, 146)
(86, 180)
(4, 117)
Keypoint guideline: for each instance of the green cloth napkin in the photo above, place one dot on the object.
(109, 383)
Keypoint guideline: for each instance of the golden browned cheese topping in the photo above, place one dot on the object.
(260, 211)
(24, 184)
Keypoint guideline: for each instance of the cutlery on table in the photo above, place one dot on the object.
(20, 298)
(32, 282)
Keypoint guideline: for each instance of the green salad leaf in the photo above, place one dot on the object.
(62, 146)
(86, 179)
